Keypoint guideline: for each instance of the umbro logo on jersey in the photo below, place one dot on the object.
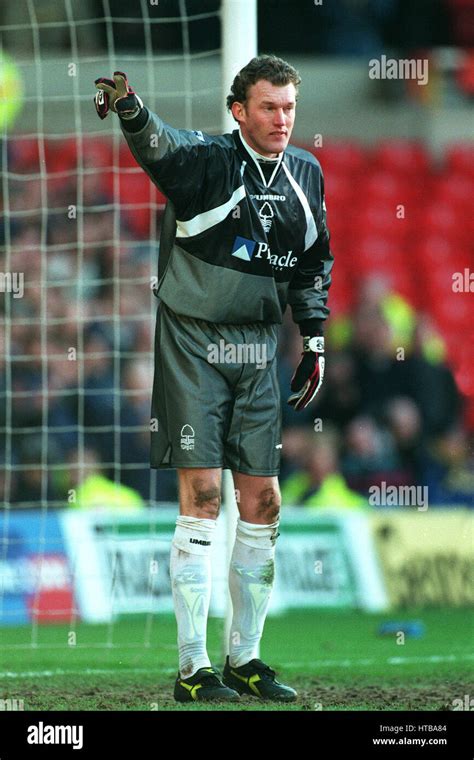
(243, 248)
(267, 197)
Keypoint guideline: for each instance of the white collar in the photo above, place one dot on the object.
(258, 157)
(255, 155)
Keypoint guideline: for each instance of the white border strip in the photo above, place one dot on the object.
(311, 234)
(207, 219)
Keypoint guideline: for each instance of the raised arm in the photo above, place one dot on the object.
(174, 159)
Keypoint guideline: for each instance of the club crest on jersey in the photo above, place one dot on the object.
(266, 215)
(243, 248)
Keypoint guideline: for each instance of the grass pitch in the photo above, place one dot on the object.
(335, 660)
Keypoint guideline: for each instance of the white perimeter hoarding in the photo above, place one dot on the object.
(120, 562)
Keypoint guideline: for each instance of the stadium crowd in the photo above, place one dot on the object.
(77, 371)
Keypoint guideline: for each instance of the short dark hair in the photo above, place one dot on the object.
(269, 67)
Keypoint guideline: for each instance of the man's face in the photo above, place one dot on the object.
(267, 117)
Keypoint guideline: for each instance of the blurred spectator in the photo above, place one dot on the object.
(370, 457)
(355, 27)
(376, 294)
(296, 441)
(420, 24)
(384, 371)
(91, 489)
(135, 435)
(35, 482)
(289, 358)
(376, 368)
(339, 401)
(405, 424)
(338, 27)
(424, 380)
(101, 401)
(398, 416)
(451, 477)
(462, 22)
(320, 483)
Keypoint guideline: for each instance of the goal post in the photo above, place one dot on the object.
(80, 220)
(239, 45)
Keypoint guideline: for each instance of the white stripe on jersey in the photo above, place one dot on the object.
(311, 234)
(207, 219)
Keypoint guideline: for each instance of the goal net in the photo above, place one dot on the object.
(85, 526)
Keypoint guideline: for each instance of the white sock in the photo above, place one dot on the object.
(190, 572)
(251, 573)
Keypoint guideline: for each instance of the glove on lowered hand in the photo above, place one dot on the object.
(308, 376)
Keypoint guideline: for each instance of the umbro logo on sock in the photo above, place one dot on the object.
(197, 541)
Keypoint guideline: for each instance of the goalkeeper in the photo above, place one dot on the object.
(244, 234)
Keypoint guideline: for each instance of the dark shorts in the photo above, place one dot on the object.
(216, 398)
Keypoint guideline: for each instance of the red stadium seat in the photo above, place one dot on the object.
(377, 251)
(469, 414)
(451, 311)
(97, 153)
(90, 153)
(383, 256)
(434, 251)
(465, 379)
(442, 275)
(61, 155)
(454, 189)
(24, 155)
(443, 220)
(136, 193)
(459, 159)
(380, 219)
(338, 188)
(341, 156)
(402, 157)
(341, 294)
(387, 186)
(126, 157)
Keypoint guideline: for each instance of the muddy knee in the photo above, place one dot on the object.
(206, 499)
(268, 504)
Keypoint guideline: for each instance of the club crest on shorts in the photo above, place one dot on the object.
(187, 438)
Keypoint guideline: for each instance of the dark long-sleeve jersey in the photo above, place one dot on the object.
(237, 245)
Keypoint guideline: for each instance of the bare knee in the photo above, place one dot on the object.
(268, 504)
(206, 499)
(200, 496)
